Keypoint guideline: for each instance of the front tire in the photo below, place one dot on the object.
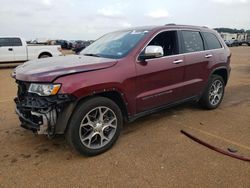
(95, 126)
(214, 93)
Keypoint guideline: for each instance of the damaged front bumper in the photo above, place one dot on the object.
(38, 113)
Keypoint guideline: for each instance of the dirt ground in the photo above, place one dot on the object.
(151, 152)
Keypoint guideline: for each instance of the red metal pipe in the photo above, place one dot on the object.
(215, 148)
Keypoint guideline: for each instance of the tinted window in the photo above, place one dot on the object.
(212, 41)
(192, 41)
(168, 41)
(5, 42)
(15, 41)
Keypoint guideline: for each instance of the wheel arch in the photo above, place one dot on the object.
(115, 96)
(118, 98)
(44, 53)
(221, 71)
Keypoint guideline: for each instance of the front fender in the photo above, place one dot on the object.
(81, 86)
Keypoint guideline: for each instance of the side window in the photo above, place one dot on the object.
(212, 41)
(15, 41)
(168, 41)
(192, 41)
(5, 42)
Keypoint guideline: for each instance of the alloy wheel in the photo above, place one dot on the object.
(215, 92)
(98, 127)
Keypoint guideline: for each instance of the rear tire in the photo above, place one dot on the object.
(95, 126)
(44, 56)
(214, 93)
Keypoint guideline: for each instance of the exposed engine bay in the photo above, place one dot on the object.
(39, 113)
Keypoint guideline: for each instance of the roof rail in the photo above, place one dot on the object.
(205, 27)
(170, 24)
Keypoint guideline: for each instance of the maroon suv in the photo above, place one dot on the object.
(122, 76)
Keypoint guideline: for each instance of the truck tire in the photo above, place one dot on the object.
(44, 55)
(213, 93)
(95, 126)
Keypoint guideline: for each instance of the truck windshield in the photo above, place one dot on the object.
(115, 45)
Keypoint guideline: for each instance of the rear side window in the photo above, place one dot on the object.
(192, 41)
(5, 42)
(15, 41)
(212, 41)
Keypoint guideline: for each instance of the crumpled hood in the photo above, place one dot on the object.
(48, 69)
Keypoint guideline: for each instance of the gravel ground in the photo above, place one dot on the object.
(151, 152)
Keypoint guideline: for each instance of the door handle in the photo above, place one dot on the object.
(208, 55)
(178, 61)
(10, 49)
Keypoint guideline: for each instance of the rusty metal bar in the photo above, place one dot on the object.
(215, 148)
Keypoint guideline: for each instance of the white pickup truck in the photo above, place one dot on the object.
(15, 49)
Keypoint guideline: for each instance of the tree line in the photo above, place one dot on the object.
(229, 30)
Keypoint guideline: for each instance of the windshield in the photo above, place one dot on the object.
(115, 45)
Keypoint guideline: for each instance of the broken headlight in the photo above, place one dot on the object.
(44, 89)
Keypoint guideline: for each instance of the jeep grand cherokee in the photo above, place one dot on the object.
(122, 76)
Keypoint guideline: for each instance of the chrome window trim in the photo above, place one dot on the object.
(184, 29)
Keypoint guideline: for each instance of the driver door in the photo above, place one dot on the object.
(159, 80)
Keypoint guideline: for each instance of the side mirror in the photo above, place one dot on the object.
(152, 51)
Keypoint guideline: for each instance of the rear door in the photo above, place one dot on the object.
(20, 50)
(6, 50)
(159, 80)
(214, 48)
(197, 61)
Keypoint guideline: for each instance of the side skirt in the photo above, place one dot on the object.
(157, 109)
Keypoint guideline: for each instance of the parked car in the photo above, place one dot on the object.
(246, 41)
(13, 49)
(234, 42)
(40, 41)
(80, 45)
(64, 44)
(122, 76)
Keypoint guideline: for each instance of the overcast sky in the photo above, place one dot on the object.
(89, 19)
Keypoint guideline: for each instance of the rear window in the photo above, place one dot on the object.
(192, 41)
(15, 41)
(10, 42)
(5, 42)
(212, 41)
